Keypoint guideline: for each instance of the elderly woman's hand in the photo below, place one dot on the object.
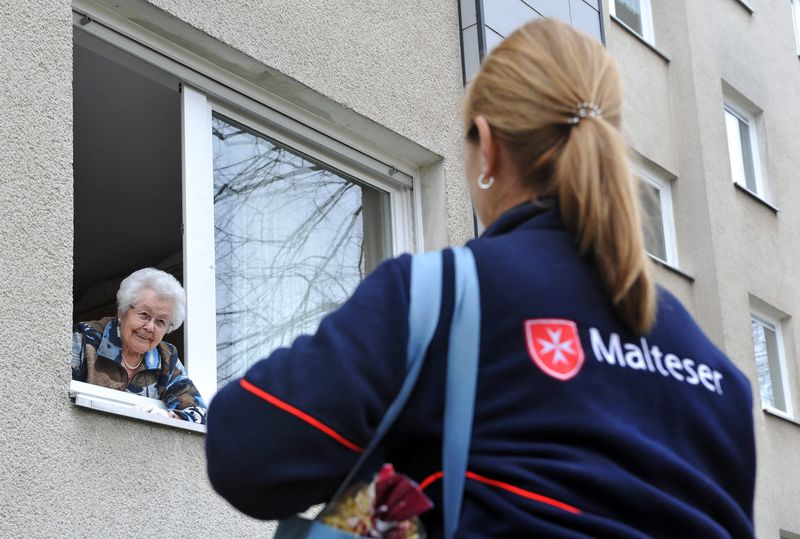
(150, 409)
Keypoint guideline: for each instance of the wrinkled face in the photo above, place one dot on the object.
(143, 326)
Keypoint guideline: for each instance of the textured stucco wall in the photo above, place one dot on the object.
(69, 472)
(732, 244)
(36, 262)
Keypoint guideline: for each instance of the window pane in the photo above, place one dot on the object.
(735, 148)
(796, 20)
(747, 156)
(768, 367)
(652, 220)
(630, 12)
(762, 365)
(771, 341)
(292, 241)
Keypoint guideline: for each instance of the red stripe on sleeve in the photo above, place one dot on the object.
(275, 401)
(507, 487)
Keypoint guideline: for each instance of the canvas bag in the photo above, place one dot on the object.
(462, 371)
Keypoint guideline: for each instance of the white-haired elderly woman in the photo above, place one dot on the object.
(127, 352)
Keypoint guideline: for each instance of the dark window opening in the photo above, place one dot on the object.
(127, 175)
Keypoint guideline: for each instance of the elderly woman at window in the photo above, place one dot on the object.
(127, 352)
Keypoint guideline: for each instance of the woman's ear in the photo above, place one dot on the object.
(487, 145)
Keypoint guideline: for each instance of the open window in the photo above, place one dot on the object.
(127, 175)
(770, 350)
(742, 118)
(268, 222)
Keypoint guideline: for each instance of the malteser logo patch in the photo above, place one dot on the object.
(554, 347)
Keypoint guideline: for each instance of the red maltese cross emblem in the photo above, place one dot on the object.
(554, 347)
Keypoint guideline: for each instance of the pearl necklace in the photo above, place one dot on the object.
(132, 367)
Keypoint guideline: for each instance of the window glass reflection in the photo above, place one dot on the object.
(292, 240)
(653, 220)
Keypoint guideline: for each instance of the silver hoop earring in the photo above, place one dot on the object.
(485, 185)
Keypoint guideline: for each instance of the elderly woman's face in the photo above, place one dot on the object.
(144, 324)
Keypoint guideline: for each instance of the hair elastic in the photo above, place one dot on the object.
(585, 109)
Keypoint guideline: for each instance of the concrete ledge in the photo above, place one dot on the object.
(641, 39)
(746, 6)
(670, 267)
(757, 198)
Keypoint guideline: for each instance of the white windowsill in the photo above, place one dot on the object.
(670, 267)
(103, 399)
(638, 36)
(746, 6)
(756, 197)
(780, 414)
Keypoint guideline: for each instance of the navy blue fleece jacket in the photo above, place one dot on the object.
(581, 428)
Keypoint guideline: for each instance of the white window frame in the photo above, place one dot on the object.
(796, 24)
(648, 34)
(776, 325)
(207, 88)
(743, 115)
(664, 188)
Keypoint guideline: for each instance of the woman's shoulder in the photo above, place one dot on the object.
(167, 350)
(388, 277)
(96, 325)
(92, 330)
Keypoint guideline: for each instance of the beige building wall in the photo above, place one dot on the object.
(733, 246)
(392, 70)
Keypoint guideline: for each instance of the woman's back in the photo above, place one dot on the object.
(581, 426)
(601, 408)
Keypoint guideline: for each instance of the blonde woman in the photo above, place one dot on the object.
(601, 410)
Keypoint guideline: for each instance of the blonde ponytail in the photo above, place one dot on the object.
(603, 216)
(528, 89)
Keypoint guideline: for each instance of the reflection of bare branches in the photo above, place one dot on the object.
(289, 245)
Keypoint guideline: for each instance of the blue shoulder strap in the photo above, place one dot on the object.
(462, 377)
(425, 304)
(462, 368)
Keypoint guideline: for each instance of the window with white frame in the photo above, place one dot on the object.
(740, 126)
(768, 347)
(269, 223)
(292, 239)
(658, 222)
(796, 23)
(637, 15)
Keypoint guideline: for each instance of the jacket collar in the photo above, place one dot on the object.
(111, 347)
(541, 213)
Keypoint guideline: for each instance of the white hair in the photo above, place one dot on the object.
(162, 283)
